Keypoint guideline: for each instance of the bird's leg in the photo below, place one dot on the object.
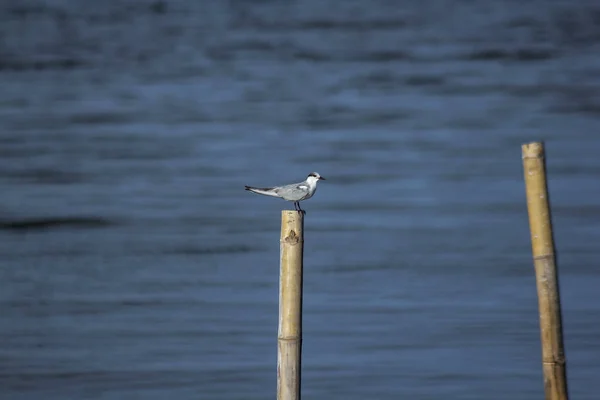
(300, 210)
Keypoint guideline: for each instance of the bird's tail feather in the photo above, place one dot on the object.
(263, 191)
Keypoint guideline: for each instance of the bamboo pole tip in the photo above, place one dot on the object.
(292, 226)
(533, 150)
(291, 214)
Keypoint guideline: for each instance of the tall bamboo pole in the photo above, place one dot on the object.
(544, 261)
(289, 338)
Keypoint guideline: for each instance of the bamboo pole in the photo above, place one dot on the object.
(544, 261)
(289, 338)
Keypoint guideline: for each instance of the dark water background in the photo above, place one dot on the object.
(133, 265)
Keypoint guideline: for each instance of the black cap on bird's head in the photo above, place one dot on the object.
(316, 176)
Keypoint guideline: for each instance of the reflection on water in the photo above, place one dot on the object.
(133, 264)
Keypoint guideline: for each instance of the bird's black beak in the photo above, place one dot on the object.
(322, 179)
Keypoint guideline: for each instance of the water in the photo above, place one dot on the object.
(134, 265)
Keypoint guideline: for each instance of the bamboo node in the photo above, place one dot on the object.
(289, 338)
(560, 361)
(543, 257)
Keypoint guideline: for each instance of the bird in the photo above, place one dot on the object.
(295, 192)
